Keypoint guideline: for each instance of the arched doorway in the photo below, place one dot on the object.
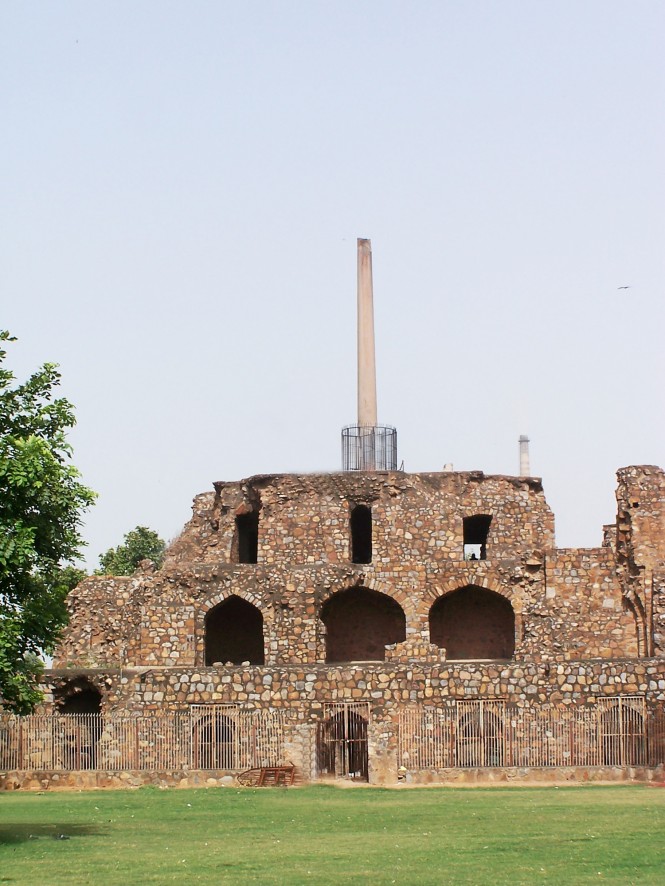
(78, 696)
(473, 623)
(342, 741)
(479, 734)
(234, 632)
(214, 742)
(77, 733)
(360, 623)
(622, 732)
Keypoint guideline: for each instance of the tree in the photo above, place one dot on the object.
(41, 503)
(140, 544)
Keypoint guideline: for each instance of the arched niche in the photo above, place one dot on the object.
(473, 623)
(78, 696)
(234, 632)
(360, 623)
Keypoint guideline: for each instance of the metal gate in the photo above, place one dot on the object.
(215, 737)
(622, 732)
(480, 734)
(342, 740)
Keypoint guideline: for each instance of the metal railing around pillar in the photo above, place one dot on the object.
(369, 448)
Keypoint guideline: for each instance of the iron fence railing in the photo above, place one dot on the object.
(206, 737)
(622, 731)
(612, 732)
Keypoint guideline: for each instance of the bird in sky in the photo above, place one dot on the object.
(623, 287)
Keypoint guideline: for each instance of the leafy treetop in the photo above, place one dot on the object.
(41, 503)
(139, 544)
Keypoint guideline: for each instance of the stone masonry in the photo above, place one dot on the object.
(268, 576)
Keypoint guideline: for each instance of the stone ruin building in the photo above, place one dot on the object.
(369, 624)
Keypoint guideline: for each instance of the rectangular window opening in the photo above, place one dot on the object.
(476, 531)
(361, 534)
(247, 537)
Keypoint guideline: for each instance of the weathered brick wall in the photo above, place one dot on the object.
(567, 604)
(640, 549)
(105, 619)
(575, 621)
(305, 518)
(385, 690)
(583, 613)
(386, 685)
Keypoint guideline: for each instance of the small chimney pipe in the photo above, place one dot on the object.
(525, 467)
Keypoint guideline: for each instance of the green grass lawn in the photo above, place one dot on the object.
(324, 835)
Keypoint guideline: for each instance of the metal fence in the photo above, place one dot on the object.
(488, 733)
(206, 737)
(369, 448)
(612, 732)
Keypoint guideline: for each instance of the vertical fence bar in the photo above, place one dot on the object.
(617, 731)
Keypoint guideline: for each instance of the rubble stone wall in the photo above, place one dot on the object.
(584, 613)
(385, 685)
(305, 518)
(568, 605)
(588, 623)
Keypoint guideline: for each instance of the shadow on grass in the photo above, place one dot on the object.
(20, 833)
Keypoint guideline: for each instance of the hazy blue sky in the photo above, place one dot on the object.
(182, 189)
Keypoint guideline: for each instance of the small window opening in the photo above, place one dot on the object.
(247, 535)
(476, 530)
(361, 534)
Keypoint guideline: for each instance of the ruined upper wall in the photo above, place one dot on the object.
(606, 602)
(641, 515)
(415, 517)
(640, 550)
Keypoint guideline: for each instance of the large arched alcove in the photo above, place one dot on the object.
(360, 623)
(234, 632)
(473, 623)
(78, 696)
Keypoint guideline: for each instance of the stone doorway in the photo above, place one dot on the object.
(214, 739)
(342, 749)
(234, 633)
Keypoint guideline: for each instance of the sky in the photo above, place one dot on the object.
(182, 188)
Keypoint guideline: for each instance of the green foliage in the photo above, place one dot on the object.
(41, 502)
(140, 544)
